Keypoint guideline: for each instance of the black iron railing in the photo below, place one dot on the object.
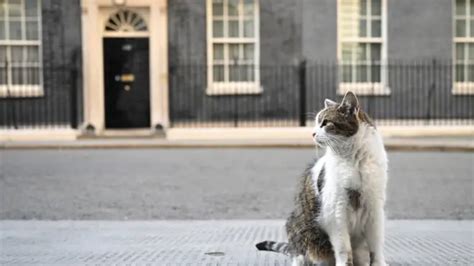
(35, 97)
(396, 93)
(426, 92)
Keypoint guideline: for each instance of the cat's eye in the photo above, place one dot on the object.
(325, 121)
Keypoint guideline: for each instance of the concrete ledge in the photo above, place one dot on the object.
(305, 132)
(60, 134)
(443, 138)
(431, 144)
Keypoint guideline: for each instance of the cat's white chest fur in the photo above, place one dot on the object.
(363, 171)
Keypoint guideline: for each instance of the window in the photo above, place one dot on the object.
(20, 48)
(464, 47)
(361, 46)
(233, 47)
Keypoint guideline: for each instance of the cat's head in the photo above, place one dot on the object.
(338, 122)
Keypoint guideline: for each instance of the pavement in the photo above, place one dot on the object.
(217, 183)
(221, 242)
(423, 137)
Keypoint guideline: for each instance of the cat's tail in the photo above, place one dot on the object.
(280, 247)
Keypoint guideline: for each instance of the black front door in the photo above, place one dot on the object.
(127, 83)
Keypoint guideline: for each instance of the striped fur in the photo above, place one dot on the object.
(305, 236)
(279, 247)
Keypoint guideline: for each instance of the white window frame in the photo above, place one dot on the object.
(228, 87)
(365, 88)
(10, 90)
(466, 87)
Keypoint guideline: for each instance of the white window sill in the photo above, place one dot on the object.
(21, 91)
(364, 88)
(463, 88)
(234, 88)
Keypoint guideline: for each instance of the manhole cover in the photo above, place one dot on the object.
(216, 253)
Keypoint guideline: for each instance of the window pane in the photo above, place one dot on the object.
(218, 73)
(3, 75)
(375, 73)
(218, 51)
(217, 28)
(363, 7)
(247, 73)
(361, 73)
(361, 52)
(233, 73)
(460, 28)
(470, 72)
(348, 20)
(32, 75)
(248, 7)
(2, 30)
(347, 52)
(218, 7)
(2, 8)
(233, 28)
(17, 54)
(248, 28)
(346, 73)
(460, 7)
(233, 9)
(376, 28)
(32, 31)
(363, 28)
(376, 7)
(32, 54)
(251, 73)
(3, 54)
(471, 52)
(459, 51)
(3, 69)
(31, 8)
(238, 73)
(471, 27)
(234, 52)
(375, 52)
(17, 75)
(14, 8)
(460, 72)
(15, 30)
(249, 52)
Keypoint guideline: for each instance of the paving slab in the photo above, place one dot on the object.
(221, 242)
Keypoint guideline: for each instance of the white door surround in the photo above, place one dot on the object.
(95, 14)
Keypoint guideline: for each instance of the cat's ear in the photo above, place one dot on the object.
(329, 103)
(350, 102)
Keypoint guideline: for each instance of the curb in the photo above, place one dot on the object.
(401, 144)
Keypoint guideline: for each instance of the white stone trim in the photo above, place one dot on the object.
(94, 14)
(463, 88)
(21, 91)
(365, 88)
(234, 88)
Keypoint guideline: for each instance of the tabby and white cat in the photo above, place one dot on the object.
(339, 209)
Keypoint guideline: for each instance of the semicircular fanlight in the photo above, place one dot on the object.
(125, 21)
